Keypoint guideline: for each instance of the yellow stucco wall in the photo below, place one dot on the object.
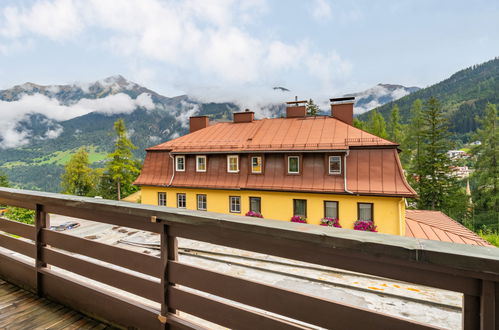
(389, 212)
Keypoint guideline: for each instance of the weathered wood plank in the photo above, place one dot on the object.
(312, 310)
(223, 314)
(17, 245)
(121, 280)
(17, 228)
(139, 262)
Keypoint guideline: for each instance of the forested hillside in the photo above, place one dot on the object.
(463, 96)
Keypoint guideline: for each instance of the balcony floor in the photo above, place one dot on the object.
(20, 309)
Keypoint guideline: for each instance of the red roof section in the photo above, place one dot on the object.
(276, 134)
(437, 226)
(369, 172)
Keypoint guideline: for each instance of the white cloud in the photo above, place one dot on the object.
(11, 113)
(209, 38)
(320, 9)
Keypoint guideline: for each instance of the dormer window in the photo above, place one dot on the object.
(293, 164)
(180, 163)
(256, 164)
(233, 164)
(200, 163)
(334, 165)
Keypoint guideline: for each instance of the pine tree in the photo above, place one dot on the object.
(486, 175)
(395, 132)
(78, 178)
(377, 124)
(312, 108)
(435, 179)
(411, 154)
(122, 168)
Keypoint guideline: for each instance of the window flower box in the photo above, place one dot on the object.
(331, 222)
(299, 218)
(254, 214)
(365, 225)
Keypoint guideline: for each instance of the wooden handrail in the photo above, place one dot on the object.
(472, 270)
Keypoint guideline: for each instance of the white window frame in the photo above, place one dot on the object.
(232, 202)
(336, 158)
(176, 163)
(228, 163)
(298, 158)
(205, 202)
(161, 193)
(178, 201)
(205, 163)
(261, 164)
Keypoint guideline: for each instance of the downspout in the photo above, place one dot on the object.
(345, 173)
(173, 170)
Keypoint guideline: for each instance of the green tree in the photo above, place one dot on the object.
(122, 168)
(413, 139)
(78, 178)
(486, 175)
(395, 130)
(21, 215)
(377, 124)
(360, 124)
(312, 108)
(434, 178)
(4, 180)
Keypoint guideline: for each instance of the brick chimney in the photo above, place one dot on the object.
(294, 109)
(342, 109)
(244, 117)
(198, 122)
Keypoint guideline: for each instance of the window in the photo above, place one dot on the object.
(255, 204)
(293, 164)
(180, 163)
(201, 202)
(200, 163)
(256, 164)
(300, 207)
(334, 165)
(162, 198)
(331, 209)
(181, 201)
(233, 164)
(365, 211)
(235, 204)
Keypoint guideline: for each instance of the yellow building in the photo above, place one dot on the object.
(312, 167)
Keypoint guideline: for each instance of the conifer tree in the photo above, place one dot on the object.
(486, 175)
(360, 124)
(78, 178)
(395, 132)
(4, 180)
(122, 168)
(434, 178)
(312, 108)
(377, 124)
(411, 155)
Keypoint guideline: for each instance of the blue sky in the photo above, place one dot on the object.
(226, 50)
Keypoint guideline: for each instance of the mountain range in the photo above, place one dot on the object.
(44, 125)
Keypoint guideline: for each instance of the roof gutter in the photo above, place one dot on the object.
(173, 170)
(345, 173)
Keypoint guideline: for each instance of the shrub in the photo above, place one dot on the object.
(331, 222)
(364, 225)
(298, 218)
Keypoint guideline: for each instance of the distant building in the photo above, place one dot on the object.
(313, 167)
(461, 172)
(457, 154)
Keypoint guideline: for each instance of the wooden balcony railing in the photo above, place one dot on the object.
(473, 271)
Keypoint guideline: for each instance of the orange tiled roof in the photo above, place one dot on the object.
(276, 134)
(437, 226)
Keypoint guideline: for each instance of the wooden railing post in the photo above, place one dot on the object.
(169, 251)
(488, 308)
(41, 221)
